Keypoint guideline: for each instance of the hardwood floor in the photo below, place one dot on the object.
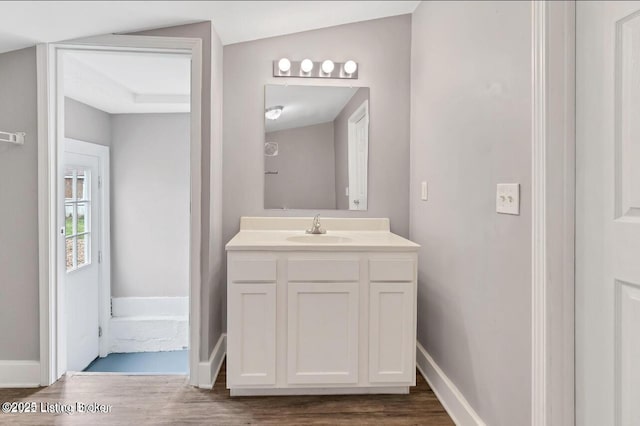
(169, 400)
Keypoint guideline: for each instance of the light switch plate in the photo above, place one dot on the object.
(424, 191)
(508, 198)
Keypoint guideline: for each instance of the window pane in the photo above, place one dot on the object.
(68, 219)
(68, 188)
(69, 246)
(83, 250)
(83, 218)
(82, 185)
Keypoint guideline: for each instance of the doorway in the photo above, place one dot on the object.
(89, 312)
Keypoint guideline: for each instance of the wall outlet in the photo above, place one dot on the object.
(424, 191)
(508, 198)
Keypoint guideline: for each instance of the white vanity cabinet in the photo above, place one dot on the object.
(319, 321)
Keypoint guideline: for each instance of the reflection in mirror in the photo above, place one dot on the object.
(316, 147)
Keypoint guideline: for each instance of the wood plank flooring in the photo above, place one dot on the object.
(169, 400)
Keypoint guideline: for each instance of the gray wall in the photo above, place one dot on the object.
(471, 129)
(305, 164)
(150, 205)
(86, 123)
(19, 208)
(211, 209)
(382, 49)
(341, 138)
(18, 219)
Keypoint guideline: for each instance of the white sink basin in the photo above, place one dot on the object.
(319, 239)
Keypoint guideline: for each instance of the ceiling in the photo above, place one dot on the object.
(125, 83)
(305, 105)
(25, 23)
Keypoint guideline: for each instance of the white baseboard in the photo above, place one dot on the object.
(208, 370)
(450, 397)
(381, 390)
(149, 324)
(19, 374)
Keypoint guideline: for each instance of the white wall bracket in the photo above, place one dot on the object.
(16, 138)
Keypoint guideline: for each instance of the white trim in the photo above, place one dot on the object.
(553, 213)
(448, 394)
(377, 390)
(50, 116)
(19, 374)
(539, 211)
(46, 220)
(209, 370)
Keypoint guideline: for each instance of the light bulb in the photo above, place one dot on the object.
(273, 113)
(350, 67)
(328, 66)
(284, 65)
(306, 65)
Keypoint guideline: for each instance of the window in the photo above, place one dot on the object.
(77, 203)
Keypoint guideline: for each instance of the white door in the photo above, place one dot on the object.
(358, 157)
(391, 332)
(81, 258)
(251, 336)
(322, 338)
(608, 213)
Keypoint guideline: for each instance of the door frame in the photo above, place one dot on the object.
(50, 150)
(553, 213)
(104, 190)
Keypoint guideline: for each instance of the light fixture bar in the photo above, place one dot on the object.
(295, 70)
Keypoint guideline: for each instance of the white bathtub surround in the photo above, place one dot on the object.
(320, 314)
(149, 324)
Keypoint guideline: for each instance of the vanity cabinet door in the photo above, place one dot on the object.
(322, 338)
(391, 332)
(251, 334)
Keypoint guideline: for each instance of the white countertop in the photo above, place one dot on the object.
(342, 235)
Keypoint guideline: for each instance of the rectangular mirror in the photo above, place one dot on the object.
(316, 147)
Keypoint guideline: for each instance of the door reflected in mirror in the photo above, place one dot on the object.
(316, 147)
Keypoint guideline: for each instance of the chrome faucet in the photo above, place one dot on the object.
(315, 227)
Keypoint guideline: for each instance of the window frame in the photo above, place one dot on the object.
(74, 202)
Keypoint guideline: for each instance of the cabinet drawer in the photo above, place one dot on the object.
(324, 270)
(391, 270)
(252, 270)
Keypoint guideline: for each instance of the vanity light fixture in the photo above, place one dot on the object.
(273, 113)
(307, 68)
(350, 67)
(284, 65)
(328, 67)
